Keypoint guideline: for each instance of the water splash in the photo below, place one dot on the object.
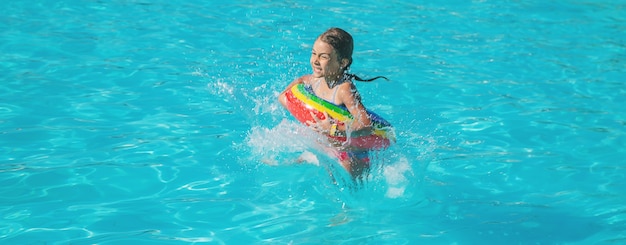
(398, 177)
(286, 143)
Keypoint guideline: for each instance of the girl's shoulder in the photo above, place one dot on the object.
(347, 89)
(348, 86)
(306, 79)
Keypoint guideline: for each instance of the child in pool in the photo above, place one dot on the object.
(331, 59)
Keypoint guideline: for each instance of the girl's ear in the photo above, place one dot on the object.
(344, 63)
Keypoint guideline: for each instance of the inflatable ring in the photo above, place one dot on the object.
(301, 102)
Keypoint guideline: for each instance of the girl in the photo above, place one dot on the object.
(331, 59)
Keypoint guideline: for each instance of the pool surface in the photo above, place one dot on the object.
(156, 122)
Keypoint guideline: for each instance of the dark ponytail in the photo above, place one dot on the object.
(349, 76)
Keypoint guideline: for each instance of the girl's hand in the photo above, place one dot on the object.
(320, 125)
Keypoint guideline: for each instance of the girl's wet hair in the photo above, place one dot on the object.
(355, 77)
(343, 43)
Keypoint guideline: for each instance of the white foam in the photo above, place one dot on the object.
(397, 177)
(288, 142)
(309, 157)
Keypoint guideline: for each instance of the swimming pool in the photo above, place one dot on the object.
(136, 122)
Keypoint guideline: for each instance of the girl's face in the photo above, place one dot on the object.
(324, 60)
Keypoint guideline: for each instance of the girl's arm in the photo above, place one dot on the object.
(282, 98)
(361, 124)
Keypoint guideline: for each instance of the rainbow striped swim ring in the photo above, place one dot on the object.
(301, 102)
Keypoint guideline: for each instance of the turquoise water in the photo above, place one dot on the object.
(155, 122)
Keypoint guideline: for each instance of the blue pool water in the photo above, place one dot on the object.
(155, 122)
